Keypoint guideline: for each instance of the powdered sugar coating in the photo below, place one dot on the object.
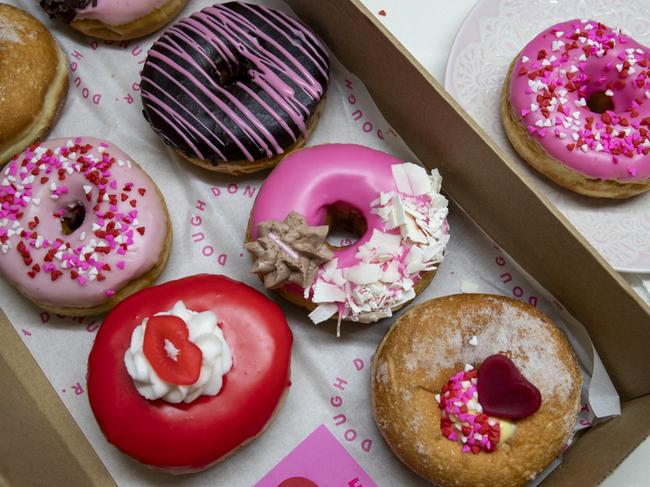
(8, 31)
(528, 342)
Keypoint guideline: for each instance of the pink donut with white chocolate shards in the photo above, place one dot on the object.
(576, 106)
(395, 207)
(81, 226)
(235, 87)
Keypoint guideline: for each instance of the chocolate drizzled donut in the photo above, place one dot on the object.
(234, 82)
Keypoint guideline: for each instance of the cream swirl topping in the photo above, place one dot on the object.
(203, 332)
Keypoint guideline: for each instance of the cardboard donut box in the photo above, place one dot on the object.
(40, 443)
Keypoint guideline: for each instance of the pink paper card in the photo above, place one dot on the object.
(319, 461)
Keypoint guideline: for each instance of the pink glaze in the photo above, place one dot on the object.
(119, 12)
(589, 57)
(312, 179)
(131, 231)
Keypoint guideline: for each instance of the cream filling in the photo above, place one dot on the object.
(46, 115)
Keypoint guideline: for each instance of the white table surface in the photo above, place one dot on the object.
(427, 28)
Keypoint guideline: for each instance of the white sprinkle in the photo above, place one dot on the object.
(473, 341)
(468, 367)
(82, 236)
(574, 136)
(87, 188)
(437, 398)
(468, 287)
(619, 67)
(524, 59)
(576, 115)
(546, 62)
(630, 50)
(562, 135)
(559, 34)
(582, 57)
(609, 93)
(584, 147)
(598, 147)
(534, 107)
(573, 69)
(631, 70)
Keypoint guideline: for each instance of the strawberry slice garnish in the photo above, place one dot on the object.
(172, 355)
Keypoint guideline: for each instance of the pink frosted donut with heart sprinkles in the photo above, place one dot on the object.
(81, 226)
(576, 107)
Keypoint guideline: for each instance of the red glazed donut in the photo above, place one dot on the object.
(184, 438)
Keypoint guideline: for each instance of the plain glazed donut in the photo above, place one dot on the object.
(33, 80)
(177, 436)
(235, 87)
(576, 106)
(81, 226)
(114, 20)
(396, 206)
(447, 384)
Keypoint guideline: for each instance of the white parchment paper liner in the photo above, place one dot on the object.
(209, 214)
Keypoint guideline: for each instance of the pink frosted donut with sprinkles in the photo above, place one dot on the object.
(576, 106)
(81, 226)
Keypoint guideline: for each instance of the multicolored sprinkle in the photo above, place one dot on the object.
(113, 231)
(462, 418)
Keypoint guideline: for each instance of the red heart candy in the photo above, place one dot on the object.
(181, 366)
(503, 392)
(382, 12)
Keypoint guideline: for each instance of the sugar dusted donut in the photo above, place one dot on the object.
(33, 80)
(81, 226)
(475, 389)
(184, 373)
(235, 87)
(114, 20)
(576, 106)
(396, 207)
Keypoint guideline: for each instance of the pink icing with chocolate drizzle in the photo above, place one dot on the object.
(119, 240)
(119, 12)
(552, 81)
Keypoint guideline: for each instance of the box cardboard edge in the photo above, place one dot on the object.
(35, 424)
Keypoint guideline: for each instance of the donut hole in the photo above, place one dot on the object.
(72, 217)
(346, 225)
(240, 72)
(599, 102)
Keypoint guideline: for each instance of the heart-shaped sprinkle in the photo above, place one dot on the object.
(382, 12)
(172, 355)
(503, 392)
